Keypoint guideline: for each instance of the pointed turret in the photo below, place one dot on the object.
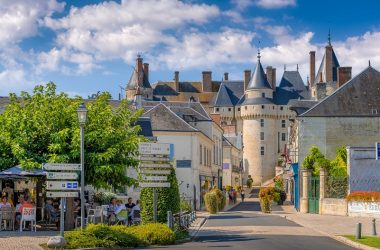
(258, 79)
(139, 80)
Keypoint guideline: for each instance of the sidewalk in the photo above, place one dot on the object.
(329, 225)
(202, 216)
(10, 240)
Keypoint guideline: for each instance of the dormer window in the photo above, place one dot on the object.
(263, 95)
(262, 107)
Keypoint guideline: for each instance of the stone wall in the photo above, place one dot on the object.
(332, 206)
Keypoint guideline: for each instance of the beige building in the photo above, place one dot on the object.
(232, 164)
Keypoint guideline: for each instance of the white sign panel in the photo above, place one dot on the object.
(62, 185)
(154, 184)
(149, 158)
(154, 178)
(154, 165)
(150, 171)
(61, 194)
(148, 148)
(61, 176)
(61, 166)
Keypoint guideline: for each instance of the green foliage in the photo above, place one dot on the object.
(266, 195)
(167, 200)
(228, 188)
(104, 198)
(238, 188)
(338, 166)
(215, 201)
(186, 206)
(180, 233)
(249, 181)
(43, 127)
(101, 235)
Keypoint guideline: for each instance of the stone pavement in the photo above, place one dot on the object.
(10, 240)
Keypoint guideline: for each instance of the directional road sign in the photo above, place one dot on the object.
(61, 166)
(377, 150)
(151, 158)
(154, 165)
(62, 185)
(150, 171)
(61, 194)
(154, 178)
(61, 176)
(149, 148)
(154, 184)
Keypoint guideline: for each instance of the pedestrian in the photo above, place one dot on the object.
(242, 194)
(234, 194)
(129, 207)
(230, 196)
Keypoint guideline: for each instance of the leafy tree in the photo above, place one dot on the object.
(339, 164)
(315, 160)
(43, 127)
(168, 199)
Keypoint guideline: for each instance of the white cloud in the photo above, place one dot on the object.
(275, 4)
(207, 50)
(242, 4)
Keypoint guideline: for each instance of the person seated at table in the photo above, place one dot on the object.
(111, 211)
(119, 206)
(18, 209)
(26, 204)
(135, 214)
(129, 207)
(4, 202)
(9, 192)
(53, 213)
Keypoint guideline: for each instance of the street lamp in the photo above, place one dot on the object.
(82, 119)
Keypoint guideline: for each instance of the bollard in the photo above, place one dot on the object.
(374, 227)
(358, 234)
(170, 219)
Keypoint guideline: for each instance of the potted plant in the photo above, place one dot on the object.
(266, 195)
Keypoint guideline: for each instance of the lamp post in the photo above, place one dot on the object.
(82, 119)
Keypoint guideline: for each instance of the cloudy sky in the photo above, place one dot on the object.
(88, 46)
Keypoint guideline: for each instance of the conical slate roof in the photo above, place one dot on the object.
(258, 79)
(134, 80)
(322, 68)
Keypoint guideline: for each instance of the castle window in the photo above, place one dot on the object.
(281, 108)
(263, 95)
(245, 107)
(283, 123)
(262, 136)
(229, 109)
(262, 107)
(205, 156)
(238, 109)
(273, 107)
(262, 151)
(283, 136)
(217, 109)
(200, 154)
(262, 123)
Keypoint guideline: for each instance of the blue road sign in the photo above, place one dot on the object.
(377, 150)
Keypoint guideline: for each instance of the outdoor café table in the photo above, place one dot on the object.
(7, 215)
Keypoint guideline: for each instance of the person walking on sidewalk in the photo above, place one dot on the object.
(242, 194)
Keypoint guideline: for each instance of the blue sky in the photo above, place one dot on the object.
(89, 46)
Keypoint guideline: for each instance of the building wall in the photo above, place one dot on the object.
(330, 133)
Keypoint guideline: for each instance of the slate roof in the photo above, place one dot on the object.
(134, 80)
(164, 89)
(301, 106)
(291, 87)
(322, 67)
(163, 119)
(255, 101)
(229, 93)
(146, 126)
(359, 97)
(258, 79)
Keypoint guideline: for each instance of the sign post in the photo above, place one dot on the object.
(377, 150)
(62, 184)
(154, 168)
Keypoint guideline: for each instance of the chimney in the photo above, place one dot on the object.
(226, 76)
(271, 76)
(320, 77)
(139, 64)
(312, 68)
(328, 63)
(247, 78)
(344, 75)
(146, 71)
(206, 81)
(176, 80)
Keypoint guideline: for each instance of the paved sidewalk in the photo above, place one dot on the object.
(10, 240)
(202, 216)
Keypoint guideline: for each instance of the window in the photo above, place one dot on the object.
(204, 156)
(245, 107)
(200, 154)
(263, 95)
(283, 136)
(281, 108)
(217, 109)
(229, 109)
(262, 136)
(283, 123)
(238, 109)
(262, 107)
(262, 123)
(262, 151)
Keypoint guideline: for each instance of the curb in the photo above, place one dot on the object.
(188, 239)
(335, 237)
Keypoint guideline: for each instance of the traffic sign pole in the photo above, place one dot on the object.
(154, 205)
(62, 219)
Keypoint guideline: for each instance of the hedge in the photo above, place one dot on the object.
(120, 236)
(215, 201)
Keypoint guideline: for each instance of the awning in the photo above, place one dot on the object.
(18, 173)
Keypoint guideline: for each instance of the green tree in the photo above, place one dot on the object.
(338, 166)
(315, 160)
(43, 127)
(168, 199)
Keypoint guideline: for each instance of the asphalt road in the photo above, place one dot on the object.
(244, 228)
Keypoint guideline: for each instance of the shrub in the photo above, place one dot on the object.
(228, 188)
(120, 236)
(186, 205)
(211, 202)
(221, 198)
(249, 181)
(238, 188)
(364, 196)
(167, 200)
(266, 195)
(104, 198)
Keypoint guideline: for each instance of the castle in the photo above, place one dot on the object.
(254, 111)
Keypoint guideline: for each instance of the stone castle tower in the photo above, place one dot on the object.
(139, 81)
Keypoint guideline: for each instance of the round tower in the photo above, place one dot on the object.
(259, 115)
